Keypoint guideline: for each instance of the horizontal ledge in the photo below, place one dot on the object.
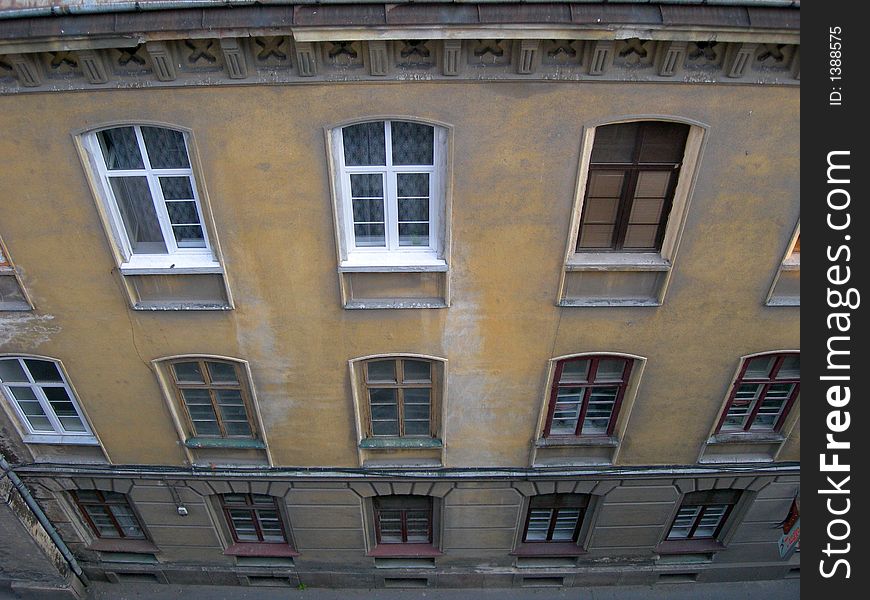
(70, 440)
(214, 269)
(617, 261)
(180, 306)
(404, 551)
(746, 438)
(261, 550)
(606, 302)
(387, 304)
(440, 267)
(580, 441)
(401, 443)
(15, 307)
(689, 547)
(228, 443)
(778, 302)
(551, 549)
(123, 545)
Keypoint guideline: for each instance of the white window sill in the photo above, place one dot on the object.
(392, 262)
(69, 440)
(617, 261)
(168, 264)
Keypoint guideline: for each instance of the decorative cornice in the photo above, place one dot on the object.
(284, 59)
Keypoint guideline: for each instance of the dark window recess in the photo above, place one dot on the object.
(632, 176)
(555, 518)
(109, 514)
(763, 394)
(254, 518)
(703, 514)
(403, 519)
(586, 395)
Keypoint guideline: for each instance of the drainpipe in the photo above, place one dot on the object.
(22, 490)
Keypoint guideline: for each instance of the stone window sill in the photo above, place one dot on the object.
(121, 545)
(689, 547)
(404, 551)
(229, 443)
(617, 261)
(261, 550)
(548, 549)
(401, 443)
(571, 440)
(746, 438)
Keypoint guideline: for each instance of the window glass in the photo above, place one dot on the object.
(579, 407)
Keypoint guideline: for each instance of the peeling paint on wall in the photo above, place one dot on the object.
(26, 331)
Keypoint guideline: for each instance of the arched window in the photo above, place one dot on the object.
(390, 184)
(763, 393)
(586, 395)
(150, 195)
(43, 400)
(401, 396)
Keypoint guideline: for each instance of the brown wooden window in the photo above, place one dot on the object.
(703, 514)
(633, 173)
(401, 395)
(215, 396)
(555, 518)
(254, 518)
(109, 514)
(403, 519)
(764, 392)
(586, 395)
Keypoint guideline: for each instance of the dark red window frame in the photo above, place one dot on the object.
(104, 502)
(767, 382)
(594, 359)
(556, 503)
(253, 508)
(705, 500)
(403, 515)
(631, 171)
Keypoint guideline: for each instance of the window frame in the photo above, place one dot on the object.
(59, 435)
(391, 258)
(176, 260)
(430, 519)
(558, 500)
(594, 359)
(243, 387)
(399, 386)
(105, 504)
(627, 193)
(739, 379)
(252, 508)
(8, 271)
(730, 504)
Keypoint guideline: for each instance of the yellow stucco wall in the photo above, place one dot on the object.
(516, 148)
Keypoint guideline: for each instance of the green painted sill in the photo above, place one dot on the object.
(386, 443)
(229, 443)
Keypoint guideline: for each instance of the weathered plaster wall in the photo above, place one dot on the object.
(516, 151)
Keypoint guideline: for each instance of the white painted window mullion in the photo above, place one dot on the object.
(391, 213)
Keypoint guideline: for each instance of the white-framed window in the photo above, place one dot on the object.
(149, 192)
(44, 402)
(390, 187)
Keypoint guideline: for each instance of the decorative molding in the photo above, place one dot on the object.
(267, 60)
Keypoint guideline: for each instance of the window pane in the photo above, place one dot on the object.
(596, 236)
(364, 144)
(646, 211)
(187, 372)
(600, 211)
(120, 149)
(369, 235)
(382, 371)
(367, 185)
(242, 523)
(759, 367)
(416, 370)
(652, 184)
(10, 370)
(60, 401)
(615, 143)
(605, 183)
(412, 185)
(103, 523)
(566, 523)
(31, 408)
(413, 143)
(574, 371)
(663, 142)
(610, 369)
(641, 237)
(43, 370)
(539, 525)
(790, 368)
(127, 520)
(413, 234)
(222, 372)
(138, 214)
(413, 210)
(165, 147)
(176, 188)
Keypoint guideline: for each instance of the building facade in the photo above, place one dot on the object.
(366, 295)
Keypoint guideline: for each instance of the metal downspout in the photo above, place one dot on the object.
(42, 518)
